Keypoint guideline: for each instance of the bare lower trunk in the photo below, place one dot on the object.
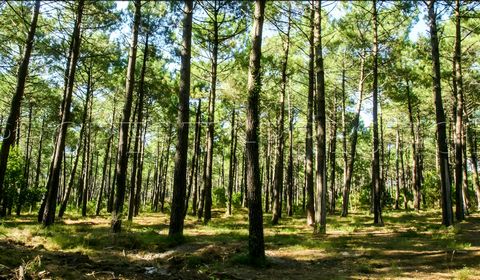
(442, 146)
(122, 158)
(256, 246)
(180, 172)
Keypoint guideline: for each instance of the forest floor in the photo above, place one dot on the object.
(411, 245)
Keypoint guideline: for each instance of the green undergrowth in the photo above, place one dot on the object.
(407, 240)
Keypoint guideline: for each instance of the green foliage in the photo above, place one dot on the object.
(219, 197)
(237, 199)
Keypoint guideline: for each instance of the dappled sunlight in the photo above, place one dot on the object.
(410, 244)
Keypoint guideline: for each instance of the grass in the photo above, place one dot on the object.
(410, 245)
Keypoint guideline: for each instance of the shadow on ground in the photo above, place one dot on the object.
(410, 245)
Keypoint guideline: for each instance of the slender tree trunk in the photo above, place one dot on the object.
(458, 90)
(466, 196)
(71, 180)
(376, 178)
(49, 208)
(138, 132)
(333, 148)
(473, 160)
(122, 158)
(26, 173)
(256, 247)
(180, 173)
(207, 182)
(164, 173)
(15, 105)
(416, 157)
(89, 165)
(309, 133)
(344, 127)
(231, 175)
(290, 180)
(39, 159)
(138, 184)
(353, 142)
(321, 187)
(196, 151)
(278, 179)
(397, 171)
(442, 146)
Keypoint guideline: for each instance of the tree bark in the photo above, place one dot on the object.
(180, 172)
(321, 187)
(53, 181)
(26, 173)
(15, 105)
(397, 170)
(309, 133)
(353, 142)
(122, 151)
(376, 178)
(279, 164)
(442, 146)
(256, 246)
(458, 90)
(416, 183)
(333, 148)
(66, 196)
(231, 175)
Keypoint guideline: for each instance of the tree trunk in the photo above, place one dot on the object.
(164, 173)
(397, 170)
(376, 178)
(66, 196)
(290, 180)
(333, 148)
(473, 160)
(49, 208)
(26, 173)
(15, 106)
(122, 151)
(195, 159)
(309, 133)
(138, 184)
(353, 143)
(278, 179)
(256, 246)
(180, 172)
(39, 159)
(415, 150)
(231, 175)
(442, 146)
(106, 160)
(89, 165)
(321, 187)
(458, 90)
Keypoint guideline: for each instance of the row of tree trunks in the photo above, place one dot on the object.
(13, 117)
(48, 207)
(194, 165)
